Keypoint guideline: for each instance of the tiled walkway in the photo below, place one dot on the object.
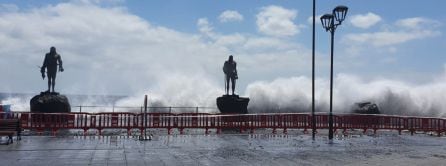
(226, 149)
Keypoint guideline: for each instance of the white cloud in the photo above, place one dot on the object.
(417, 23)
(365, 21)
(405, 30)
(389, 38)
(234, 40)
(205, 27)
(100, 46)
(277, 21)
(230, 15)
(98, 2)
(318, 20)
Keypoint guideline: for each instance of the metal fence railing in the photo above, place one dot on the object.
(244, 122)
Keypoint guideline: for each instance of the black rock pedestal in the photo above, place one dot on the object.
(48, 102)
(232, 104)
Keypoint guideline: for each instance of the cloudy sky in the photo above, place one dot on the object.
(177, 48)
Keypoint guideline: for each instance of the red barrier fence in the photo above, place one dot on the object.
(130, 121)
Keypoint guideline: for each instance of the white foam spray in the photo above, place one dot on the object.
(287, 95)
(393, 97)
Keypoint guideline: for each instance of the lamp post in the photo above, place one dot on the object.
(328, 22)
(313, 118)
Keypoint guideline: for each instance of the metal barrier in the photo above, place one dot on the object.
(129, 121)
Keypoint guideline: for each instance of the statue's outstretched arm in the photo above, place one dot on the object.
(225, 68)
(42, 69)
(59, 60)
(45, 63)
(235, 68)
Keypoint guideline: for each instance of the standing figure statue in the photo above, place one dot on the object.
(230, 70)
(52, 59)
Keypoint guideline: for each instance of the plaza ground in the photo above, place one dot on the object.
(231, 148)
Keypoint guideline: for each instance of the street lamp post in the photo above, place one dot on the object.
(313, 118)
(328, 22)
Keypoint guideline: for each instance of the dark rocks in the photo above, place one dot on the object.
(48, 102)
(366, 108)
(232, 104)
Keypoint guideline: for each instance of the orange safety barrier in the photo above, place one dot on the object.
(137, 121)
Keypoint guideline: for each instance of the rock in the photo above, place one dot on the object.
(232, 104)
(48, 102)
(366, 108)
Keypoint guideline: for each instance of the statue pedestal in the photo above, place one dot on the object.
(232, 104)
(50, 102)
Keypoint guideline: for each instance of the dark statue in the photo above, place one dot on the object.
(50, 101)
(230, 70)
(231, 104)
(52, 59)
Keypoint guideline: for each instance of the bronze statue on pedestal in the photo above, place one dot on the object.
(52, 59)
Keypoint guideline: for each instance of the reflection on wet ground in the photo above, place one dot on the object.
(230, 148)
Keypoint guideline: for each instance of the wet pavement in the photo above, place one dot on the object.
(227, 149)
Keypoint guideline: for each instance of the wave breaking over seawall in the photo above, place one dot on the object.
(393, 97)
(281, 95)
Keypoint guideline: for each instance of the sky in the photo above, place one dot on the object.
(175, 49)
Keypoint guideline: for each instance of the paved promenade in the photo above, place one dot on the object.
(227, 149)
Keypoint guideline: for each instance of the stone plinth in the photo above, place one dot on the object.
(48, 102)
(232, 104)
